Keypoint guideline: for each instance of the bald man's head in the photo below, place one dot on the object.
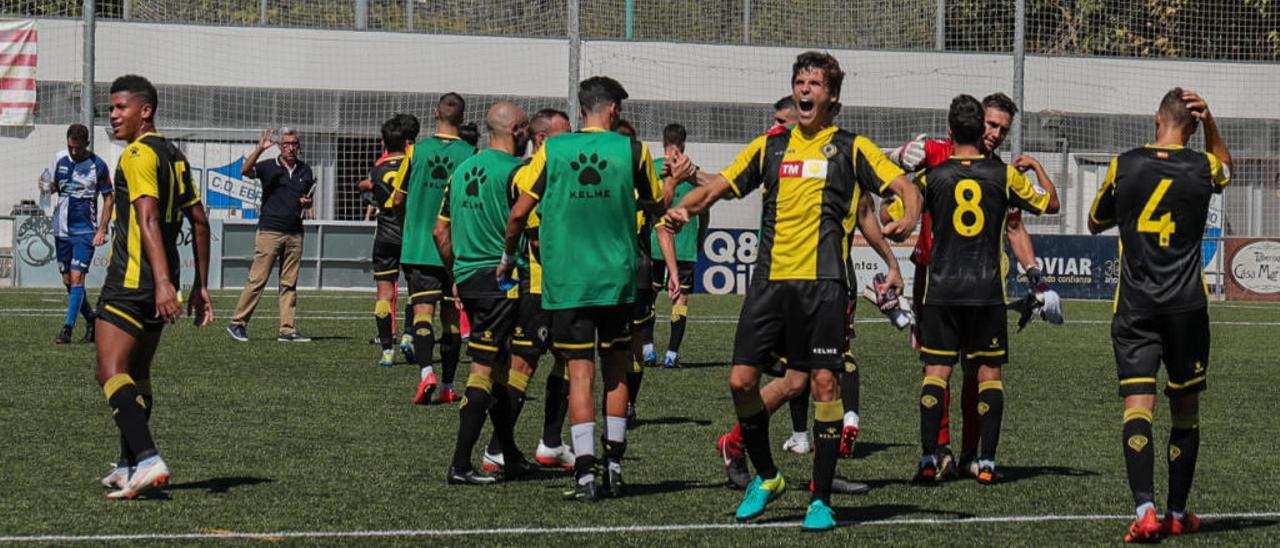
(503, 117)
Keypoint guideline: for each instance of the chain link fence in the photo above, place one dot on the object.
(1093, 73)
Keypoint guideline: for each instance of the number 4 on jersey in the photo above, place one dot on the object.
(1164, 226)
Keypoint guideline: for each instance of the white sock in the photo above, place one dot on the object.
(647, 349)
(615, 429)
(987, 462)
(1178, 515)
(851, 418)
(427, 371)
(584, 438)
(800, 436)
(1143, 509)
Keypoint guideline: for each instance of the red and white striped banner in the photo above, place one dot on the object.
(17, 72)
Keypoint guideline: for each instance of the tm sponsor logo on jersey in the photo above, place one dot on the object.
(816, 169)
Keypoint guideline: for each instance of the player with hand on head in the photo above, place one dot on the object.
(386, 182)
(469, 235)
(962, 311)
(434, 158)
(78, 176)
(799, 293)
(154, 193)
(586, 186)
(1158, 196)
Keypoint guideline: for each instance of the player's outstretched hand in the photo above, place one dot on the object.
(167, 306)
(675, 218)
(267, 140)
(1196, 104)
(200, 307)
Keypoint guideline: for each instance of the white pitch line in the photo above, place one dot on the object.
(593, 530)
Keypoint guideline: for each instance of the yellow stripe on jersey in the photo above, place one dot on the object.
(1022, 188)
(1218, 171)
(528, 175)
(133, 267)
(654, 182)
(743, 164)
(402, 174)
(1103, 210)
(139, 164)
(885, 170)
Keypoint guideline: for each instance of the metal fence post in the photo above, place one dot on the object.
(631, 18)
(126, 10)
(262, 12)
(362, 14)
(746, 21)
(940, 27)
(408, 14)
(86, 81)
(575, 53)
(1019, 62)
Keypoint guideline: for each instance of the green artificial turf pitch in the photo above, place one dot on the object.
(316, 439)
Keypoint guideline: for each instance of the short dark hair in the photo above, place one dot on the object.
(451, 108)
(1000, 101)
(965, 120)
(785, 103)
(816, 60)
(1174, 109)
(470, 133)
(139, 87)
(597, 91)
(674, 134)
(78, 133)
(624, 127)
(546, 115)
(398, 131)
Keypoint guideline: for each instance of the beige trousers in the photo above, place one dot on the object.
(268, 246)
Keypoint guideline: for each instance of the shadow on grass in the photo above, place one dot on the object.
(1012, 474)
(854, 514)
(220, 485)
(668, 421)
(865, 449)
(1219, 525)
(665, 487)
(332, 338)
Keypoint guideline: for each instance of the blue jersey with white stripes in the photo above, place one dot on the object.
(78, 185)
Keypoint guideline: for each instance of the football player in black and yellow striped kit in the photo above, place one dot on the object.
(154, 193)
(1158, 195)
(813, 177)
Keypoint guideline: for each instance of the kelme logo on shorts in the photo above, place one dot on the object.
(588, 168)
(473, 178)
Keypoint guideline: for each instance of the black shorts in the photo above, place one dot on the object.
(642, 310)
(492, 314)
(1180, 340)
(134, 317)
(979, 334)
(532, 337)
(659, 275)
(428, 284)
(386, 260)
(577, 332)
(801, 319)
(643, 270)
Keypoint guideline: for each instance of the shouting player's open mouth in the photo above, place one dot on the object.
(806, 107)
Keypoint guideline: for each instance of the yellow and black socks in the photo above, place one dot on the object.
(382, 316)
(517, 387)
(679, 317)
(799, 406)
(991, 413)
(932, 392)
(502, 417)
(450, 350)
(754, 420)
(475, 405)
(1184, 447)
(129, 409)
(555, 406)
(1139, 456)
(828, 418)
(424, 342)
(850, 384)
(635, 376)
(408, 319)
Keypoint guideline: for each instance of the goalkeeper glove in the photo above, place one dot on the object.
(910, 156)
(886, 299)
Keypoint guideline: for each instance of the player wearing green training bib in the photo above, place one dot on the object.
(687, 242)
(434, 159)
(586, 186)
(469, 234)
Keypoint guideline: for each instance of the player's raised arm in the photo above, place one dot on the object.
(1212, 137)
(249, 169)
(1025, 162)
(909, 195)
(869, 224)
